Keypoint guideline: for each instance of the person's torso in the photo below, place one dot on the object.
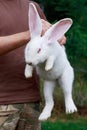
(13, 85)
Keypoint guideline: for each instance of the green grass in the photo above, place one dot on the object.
(60, 121)
(64, 126)
(66, 122)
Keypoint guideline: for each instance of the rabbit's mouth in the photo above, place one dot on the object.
(30, 64)
(38, 63)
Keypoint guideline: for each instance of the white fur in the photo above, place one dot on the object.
(51, 62)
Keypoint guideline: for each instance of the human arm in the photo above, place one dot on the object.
(11, 42)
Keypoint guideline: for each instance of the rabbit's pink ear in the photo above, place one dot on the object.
(58, 29)
(35, 25)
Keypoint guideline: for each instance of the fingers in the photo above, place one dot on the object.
(62, 41)
(45, 26)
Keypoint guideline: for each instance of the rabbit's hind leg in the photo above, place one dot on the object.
(49, 103)
(66, 82)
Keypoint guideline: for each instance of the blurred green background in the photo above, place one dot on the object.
(76, 48)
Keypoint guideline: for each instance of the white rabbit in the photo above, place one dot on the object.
(50, 60)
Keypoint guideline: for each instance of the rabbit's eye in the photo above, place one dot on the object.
(39, 50)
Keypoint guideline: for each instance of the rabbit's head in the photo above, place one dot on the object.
(40, 47)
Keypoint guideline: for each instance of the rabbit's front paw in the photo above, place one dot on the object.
(47, 68)
(28, 74)
(50, 63)
(28, 71)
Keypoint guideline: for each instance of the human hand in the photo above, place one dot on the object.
(45, 26)
(62, 41)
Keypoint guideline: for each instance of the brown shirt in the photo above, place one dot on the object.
(14, 87)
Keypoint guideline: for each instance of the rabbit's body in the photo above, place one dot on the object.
(50, 60)
(60, 65)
